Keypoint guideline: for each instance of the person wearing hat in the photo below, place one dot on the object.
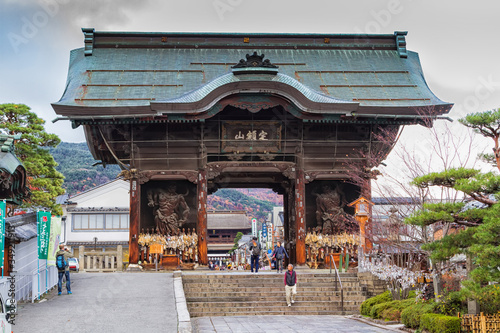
(255, 250)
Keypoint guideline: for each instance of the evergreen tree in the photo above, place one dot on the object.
(477, 225)
(32, 149)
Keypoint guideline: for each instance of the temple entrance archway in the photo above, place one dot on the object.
(182, 115)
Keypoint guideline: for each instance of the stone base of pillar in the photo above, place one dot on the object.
(134, 268)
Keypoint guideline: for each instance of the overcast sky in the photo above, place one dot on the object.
(457, 40)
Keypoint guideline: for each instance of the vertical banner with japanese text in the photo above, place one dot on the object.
(55, 239)
(3, 208)
(43, 219)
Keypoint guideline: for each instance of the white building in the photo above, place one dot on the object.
(97, 217)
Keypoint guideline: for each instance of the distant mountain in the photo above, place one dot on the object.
(76, 164)
(257, 203)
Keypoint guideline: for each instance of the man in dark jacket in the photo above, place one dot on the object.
(255, 249)
(279, 253)
(63, 272)
(290, 285)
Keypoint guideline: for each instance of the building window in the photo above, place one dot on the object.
(100, 221)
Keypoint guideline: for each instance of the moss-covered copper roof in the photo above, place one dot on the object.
(12, 172)
(126, 73)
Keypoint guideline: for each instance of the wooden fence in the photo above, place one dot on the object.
(481, 323)
(101, 261)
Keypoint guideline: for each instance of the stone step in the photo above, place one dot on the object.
(289, 311)
(273, 293)
(266, 290)
(251, 298)
(217, 286)
(267, 278)
(277, 310)
(269, 304)
(263, 294)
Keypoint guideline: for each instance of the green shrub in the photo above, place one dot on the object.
(367, 305)
(391, 314)
(489, 299)
(410, 316)
(452, 304)
(438, 323)
(389, 310)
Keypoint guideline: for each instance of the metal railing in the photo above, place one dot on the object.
(337, 282)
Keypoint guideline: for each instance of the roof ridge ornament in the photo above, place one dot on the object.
(254, 64)
(254, 60)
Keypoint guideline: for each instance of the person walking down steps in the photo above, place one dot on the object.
(290, 285)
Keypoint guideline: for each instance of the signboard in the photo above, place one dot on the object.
(270, 232)
(251, 137)
(55, 238)
(3, 206)
(264, 231)
(254, 227)
(43, 219)
(156, 248)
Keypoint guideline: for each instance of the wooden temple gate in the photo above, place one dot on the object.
(183, 116)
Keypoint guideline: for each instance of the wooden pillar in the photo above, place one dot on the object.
(367, 224)
(300, 219)
(133, 245)
(287, 241)
(202, 218)
(7, 257)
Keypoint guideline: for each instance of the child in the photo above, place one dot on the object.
(290, 285)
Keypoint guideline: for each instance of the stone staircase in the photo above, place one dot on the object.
(241, 293)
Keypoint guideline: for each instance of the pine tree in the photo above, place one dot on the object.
(32, 149)
(477, 226)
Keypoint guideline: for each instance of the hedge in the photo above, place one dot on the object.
(367, 305)
(390, 310)
(437, 323)
(412, 314)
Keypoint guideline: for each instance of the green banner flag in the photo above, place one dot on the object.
(55, 238)
(43, 234)
(3, 207)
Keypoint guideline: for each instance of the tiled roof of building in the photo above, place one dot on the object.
(140, 73)
(228, 220)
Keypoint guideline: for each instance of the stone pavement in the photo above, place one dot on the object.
(284, 324)
(153, 302)
(105, 302)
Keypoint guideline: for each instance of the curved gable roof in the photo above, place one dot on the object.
(138, 74)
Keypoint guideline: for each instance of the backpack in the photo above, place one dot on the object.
(255, 249)
(61, 262)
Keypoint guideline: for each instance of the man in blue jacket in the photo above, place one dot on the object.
(279, 253)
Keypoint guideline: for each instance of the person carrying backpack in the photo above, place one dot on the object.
(255, 249)
(62, 265)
